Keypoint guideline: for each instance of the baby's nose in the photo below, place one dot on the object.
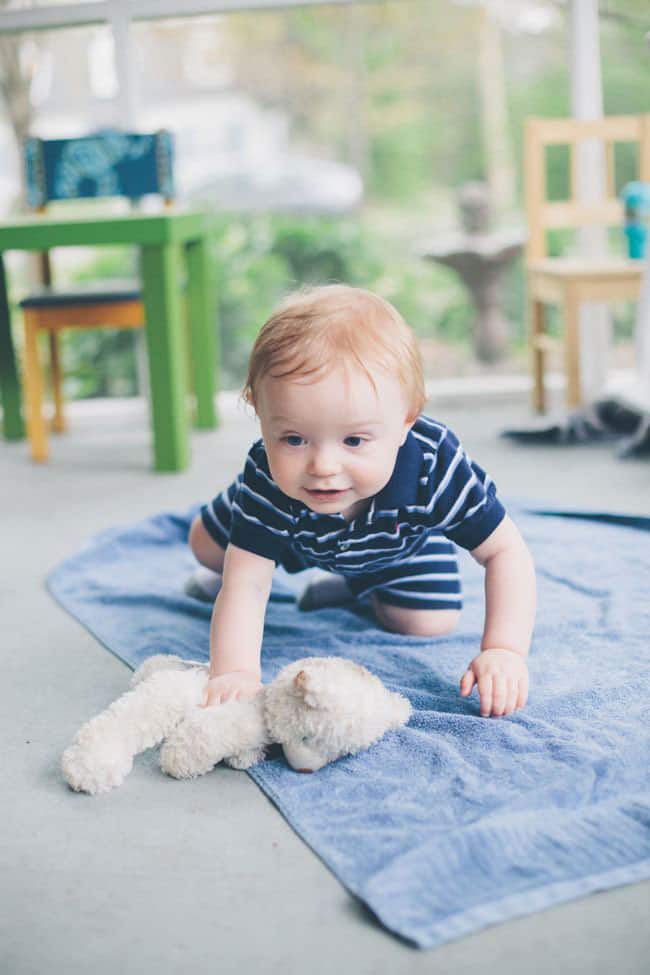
(324, 462)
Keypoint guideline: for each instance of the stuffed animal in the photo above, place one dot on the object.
(318, 709)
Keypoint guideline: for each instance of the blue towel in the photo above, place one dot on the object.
(456, 821)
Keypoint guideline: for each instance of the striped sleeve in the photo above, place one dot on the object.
(464, 503)
(262, 520)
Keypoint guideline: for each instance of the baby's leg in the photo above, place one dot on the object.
(206, 550)
(415, 622)
(208, 540)
(420, 596)
(205, 582)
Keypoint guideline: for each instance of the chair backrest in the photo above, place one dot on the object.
(108, 163)
(542, 214)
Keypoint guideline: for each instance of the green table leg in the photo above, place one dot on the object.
(166, 348)
(204, 348)
(9, 384)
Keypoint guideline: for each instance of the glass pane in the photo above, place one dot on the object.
(333, 141)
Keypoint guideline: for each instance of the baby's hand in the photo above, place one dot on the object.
(233, 686)
(502, 680)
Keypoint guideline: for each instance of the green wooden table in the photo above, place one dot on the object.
(164, 239)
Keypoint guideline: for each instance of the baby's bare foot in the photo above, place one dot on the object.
(326, 590)
(203, 584)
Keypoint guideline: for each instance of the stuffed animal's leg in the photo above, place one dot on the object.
(234, 731)
(101, 755)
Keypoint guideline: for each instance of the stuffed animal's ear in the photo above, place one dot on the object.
(302, 684)
(301, 681)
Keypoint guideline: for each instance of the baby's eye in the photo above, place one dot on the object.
(353, 441)
(293, 440)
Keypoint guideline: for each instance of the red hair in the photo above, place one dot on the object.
(318, 328)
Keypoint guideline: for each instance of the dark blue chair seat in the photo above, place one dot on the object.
(98, 292)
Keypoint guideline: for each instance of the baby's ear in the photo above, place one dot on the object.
(408, 423)
(304, 684)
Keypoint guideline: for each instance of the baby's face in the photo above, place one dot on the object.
(332, 444)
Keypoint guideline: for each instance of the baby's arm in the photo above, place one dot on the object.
(500, 669)
(237, 626)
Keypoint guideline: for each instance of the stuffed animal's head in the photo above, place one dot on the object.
(321, 708)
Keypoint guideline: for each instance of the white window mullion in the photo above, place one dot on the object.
(154, 9)
(120, 23)
(49, 18)
(87, 14)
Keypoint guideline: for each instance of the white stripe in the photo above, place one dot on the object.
(451, 597)
(320, 538)
(262, 473)
(376, 552)
(266, 503)
(459, 501)
(373, 551)
(269, 480)
(433, 434)
(432, 558)
(428, 577)
(402, 558)
(431, 597)
(275, 531)
(468, 514)
(392, 550)
(427, 421)
(449, 473)
(356, 541)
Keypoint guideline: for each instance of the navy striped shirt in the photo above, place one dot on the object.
(435, 488)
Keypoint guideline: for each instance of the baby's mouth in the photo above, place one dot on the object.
(325, 494)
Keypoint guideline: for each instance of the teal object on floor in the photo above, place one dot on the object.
(456, 821)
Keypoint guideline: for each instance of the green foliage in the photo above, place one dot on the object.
(316, 250)
(399, 165)
(249, 280)
(106, 263)
(100, 362)
(258, 260)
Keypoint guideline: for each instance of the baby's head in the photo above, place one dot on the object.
(336, 380)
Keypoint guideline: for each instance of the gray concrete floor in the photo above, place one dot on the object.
(206, 876)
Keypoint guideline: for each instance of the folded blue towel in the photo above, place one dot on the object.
(456, 821)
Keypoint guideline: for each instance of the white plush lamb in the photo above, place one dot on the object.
(318, 709)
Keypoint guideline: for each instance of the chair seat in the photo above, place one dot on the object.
(577, 267)
(94, 293)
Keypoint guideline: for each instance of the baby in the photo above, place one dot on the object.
(350, 477)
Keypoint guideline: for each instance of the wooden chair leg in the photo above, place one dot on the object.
(58, 420)
(33, 380)
(538, 353)
(571, 315)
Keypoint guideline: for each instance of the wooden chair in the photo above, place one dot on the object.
(567, 281)
(108, 164)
